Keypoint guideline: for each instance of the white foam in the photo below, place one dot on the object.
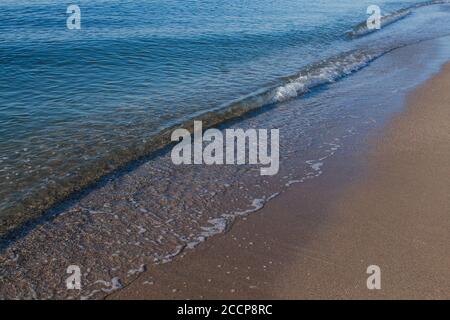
(111, 286)
(141, 269)
(256, 205)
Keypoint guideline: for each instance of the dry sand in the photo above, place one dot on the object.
(389, 206)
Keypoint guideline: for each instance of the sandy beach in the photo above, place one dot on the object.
(385, 205)
(247, 150)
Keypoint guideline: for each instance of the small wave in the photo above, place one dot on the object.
(324, 72)
(361, 29)
(314, 75)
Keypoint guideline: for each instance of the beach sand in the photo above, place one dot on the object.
(386, 205)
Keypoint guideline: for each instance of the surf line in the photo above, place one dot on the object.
(237, 147)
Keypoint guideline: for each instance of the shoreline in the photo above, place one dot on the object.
(387, 206)
(41, 200)
(139, 221)
(60, 182)
(94, 194)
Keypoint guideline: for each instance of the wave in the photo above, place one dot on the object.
(33, 204)
(361, 29)
(314, 75)
(323, 72)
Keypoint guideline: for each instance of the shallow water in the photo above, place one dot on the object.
(155, 210)
(75, 105)
(152, 210)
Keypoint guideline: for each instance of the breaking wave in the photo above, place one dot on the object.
(314, 75)
(32, 204)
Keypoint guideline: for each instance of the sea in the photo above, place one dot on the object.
(86, 116)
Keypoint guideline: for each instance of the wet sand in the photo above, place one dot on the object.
(387, 205)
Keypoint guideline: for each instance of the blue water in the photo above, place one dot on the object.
(76, 104)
